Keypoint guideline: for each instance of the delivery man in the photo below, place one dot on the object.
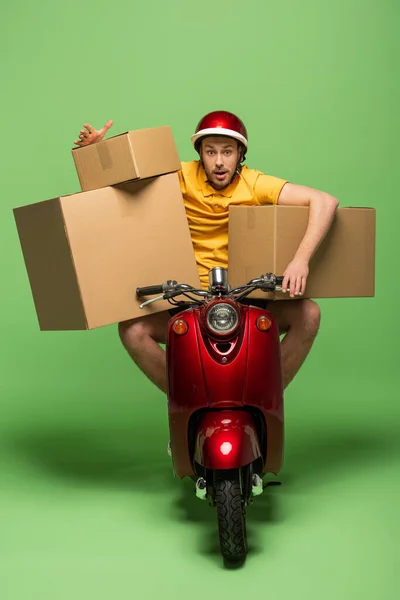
(209, 186)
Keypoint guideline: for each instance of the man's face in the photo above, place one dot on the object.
(220, 156)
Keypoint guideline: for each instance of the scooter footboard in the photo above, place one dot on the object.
(226, 439)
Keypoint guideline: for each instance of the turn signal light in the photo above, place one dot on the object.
(263, 323)
(180, 327)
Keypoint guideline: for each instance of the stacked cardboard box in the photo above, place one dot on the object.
(86, 253)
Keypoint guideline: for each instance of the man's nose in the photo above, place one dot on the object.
(220, 160)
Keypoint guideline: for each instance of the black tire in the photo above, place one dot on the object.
(231, 521)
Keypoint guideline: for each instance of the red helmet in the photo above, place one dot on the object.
(220, 122)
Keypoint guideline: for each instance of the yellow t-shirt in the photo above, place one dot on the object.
(207, 210)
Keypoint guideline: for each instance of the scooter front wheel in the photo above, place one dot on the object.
(231, 520)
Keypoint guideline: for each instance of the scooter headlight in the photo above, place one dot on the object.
(222, 318)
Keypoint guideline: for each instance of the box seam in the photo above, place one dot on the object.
(137, 174)
(74, 265)
(275, 244)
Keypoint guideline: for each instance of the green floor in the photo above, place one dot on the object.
(89, 507)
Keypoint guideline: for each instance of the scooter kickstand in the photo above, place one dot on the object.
(271, 483)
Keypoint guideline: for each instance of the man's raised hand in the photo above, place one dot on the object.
(89, 135)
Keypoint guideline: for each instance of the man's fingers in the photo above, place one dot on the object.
(298, 285)
(285, 283)
(106, 127)
(84, 141)
(292, 286)
(295, 286)
(303, 285)
(89, 128)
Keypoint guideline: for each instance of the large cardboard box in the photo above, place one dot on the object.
(265, 239)
(133, 155)
(86, 254)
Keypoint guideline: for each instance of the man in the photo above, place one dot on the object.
(209, 186)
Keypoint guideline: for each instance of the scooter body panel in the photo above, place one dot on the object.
(206, 375)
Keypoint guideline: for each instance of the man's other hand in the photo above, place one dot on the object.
(89, 135)
(295, 277)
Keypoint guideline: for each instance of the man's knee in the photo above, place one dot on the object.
(297, 315)
(311, 317)
(132, 332)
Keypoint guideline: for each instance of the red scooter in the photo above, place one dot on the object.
(225, 396)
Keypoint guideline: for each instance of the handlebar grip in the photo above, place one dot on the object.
(279, 280)
(149, 290)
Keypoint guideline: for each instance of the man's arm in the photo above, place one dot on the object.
(322, 210)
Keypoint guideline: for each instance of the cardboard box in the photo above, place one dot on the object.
(87, 253)
(133, 155)
(265, 239)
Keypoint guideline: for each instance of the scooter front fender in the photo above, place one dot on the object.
(226, 439)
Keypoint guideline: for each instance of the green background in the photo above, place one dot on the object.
(88, 504)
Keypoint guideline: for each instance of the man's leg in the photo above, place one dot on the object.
(299, 320)
(141, 338)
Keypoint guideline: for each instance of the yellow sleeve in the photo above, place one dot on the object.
(185, 174)
(182, 181)
(267, 189)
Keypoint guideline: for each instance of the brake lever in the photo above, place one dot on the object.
(171, 294)
(151, 301)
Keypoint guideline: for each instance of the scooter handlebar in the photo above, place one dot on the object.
(149, 290)
(172, 287)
